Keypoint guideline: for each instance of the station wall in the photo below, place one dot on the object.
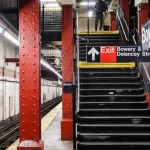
(9, 82)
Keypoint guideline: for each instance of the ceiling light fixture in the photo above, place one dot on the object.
(1, 30)
(85, 4)
(44, 1)
(48, 66)
(11, 38)
(52, 5)
(90, 13)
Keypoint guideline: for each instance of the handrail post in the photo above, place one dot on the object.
(149, 9)
(43, 16)
(74, 114)
(119, 17)
(117, 22)
(74, 104)
(88, 21)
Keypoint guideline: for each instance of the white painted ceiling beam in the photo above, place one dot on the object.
(113, 5)
(137, 2)
(66, 2)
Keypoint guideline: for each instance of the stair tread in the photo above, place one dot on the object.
(84, 41)
(112, 95)
(114, 125)
(114, 117)
(82, 78)
(143, 109)
(119, 134)
(112, 89)
(109, 72)
(127, 83)
(114, 102)
(114, 143)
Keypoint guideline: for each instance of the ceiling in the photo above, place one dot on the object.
(107, 1)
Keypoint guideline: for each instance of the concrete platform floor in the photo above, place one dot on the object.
(51, 132)
(52, 138)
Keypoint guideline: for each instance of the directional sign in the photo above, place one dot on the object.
(93, 52)
(145, 35)
(111, 54)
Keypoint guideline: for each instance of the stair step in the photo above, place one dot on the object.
(113, 119)
(97, 42)
(114, 112)
(103, 78)
(112, 98)
(113, 128)
(113, 137)
(113, 105)
(109, 79)
(110, 85)
(138, 91)
(108, 74)
(97, 36)
(84, 40)
(93, 39)
(118, 70)
(113, 145)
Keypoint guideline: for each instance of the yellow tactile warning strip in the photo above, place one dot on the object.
(106, 65)
(99, 32)
(45, 122)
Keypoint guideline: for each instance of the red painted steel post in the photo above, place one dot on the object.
(67, 70)
(30, 77)
(125, 7)
(113, 21)
(142, 15)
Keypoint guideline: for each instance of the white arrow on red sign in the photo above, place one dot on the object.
(94, 52)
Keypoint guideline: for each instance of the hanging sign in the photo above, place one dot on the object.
(146, 36)
(112, 54)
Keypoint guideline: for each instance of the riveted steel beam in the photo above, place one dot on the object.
(67, 69)
(30, 75)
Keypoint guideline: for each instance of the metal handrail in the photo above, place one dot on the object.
(123, 29)
(135, 31)
(120, 10)
(119, 15)
(142, 66)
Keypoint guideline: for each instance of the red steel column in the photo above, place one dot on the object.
(113, 21)
(125, 7)
(142, 15)
(30, 77)
(67, 70)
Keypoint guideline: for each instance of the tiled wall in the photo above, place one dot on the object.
(9, 82)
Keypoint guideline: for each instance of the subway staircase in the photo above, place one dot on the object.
(113, 111)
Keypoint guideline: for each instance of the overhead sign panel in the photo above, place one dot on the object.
(146, 36)
(111, 54)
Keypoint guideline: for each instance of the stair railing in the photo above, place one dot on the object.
(76, 80)
(145, 72)
(51, 20)
(144, 68)
(122, 24)
(135, 37)
(78, 76)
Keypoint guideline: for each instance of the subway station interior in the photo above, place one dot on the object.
(74, 74)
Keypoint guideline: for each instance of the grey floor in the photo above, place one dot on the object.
(52, 138)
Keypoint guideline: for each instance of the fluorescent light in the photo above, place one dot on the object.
(90, 13)
(85, 4)
(48, 66)
(11, 38)
(48, 0)
(1, 30)
(52, 5)
(110, 10)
